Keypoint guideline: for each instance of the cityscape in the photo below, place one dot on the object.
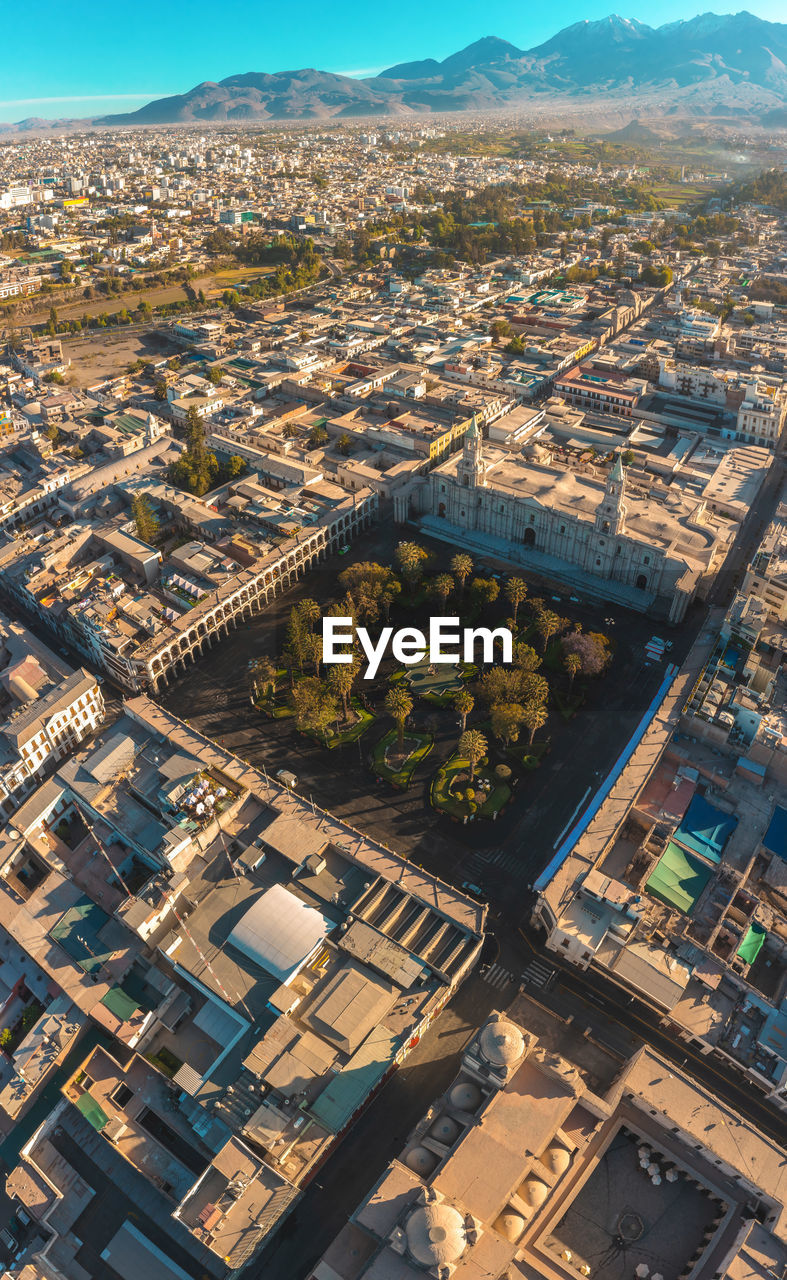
(393, 656)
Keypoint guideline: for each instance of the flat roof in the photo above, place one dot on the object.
(131, 1254)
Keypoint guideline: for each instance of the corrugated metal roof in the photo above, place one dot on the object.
(348, 1089)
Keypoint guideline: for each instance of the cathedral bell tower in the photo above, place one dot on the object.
(471, 468)
(611, 511)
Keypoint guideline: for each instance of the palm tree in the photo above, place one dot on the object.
(573, 664)
(398, 704)
(310, 611)
(547, 625)
(341, 677)
(516, 590)
(442, 586)
(533, 718)
(461, 568)
(473, 745)
(410, 558)
(464, 703)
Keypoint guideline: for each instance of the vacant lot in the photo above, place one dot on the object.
(106, 352)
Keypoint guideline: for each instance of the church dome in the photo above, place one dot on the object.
(465, 1096)
(444, 1130)
(533, 1191)
(421, 1161)
(436, 1235)
(510, 1225)
(502, 1043)
(556, 1158)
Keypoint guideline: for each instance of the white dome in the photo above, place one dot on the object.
(534, 1191)
(444, 1129)
(556, 1158)
(420, 1160)
(465, 1096)
(510, 1225)
(502, 1043)
(436, 1234)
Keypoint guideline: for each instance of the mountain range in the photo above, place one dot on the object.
(711, 64)
(733, 60)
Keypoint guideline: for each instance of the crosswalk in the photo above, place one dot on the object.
(539, 974)
(482, 859)
(497, 976)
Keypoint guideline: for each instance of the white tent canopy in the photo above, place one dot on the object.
(279, 932)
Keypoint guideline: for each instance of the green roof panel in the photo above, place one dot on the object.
(678, 879)
(119, 1003)
(92, 1112)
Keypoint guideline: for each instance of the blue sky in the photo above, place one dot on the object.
(78, 58)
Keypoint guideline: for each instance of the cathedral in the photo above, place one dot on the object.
(650, 551)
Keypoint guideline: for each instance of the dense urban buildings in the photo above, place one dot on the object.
(250, 376)
(524, 1169)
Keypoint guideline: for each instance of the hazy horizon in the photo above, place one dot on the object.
(363, 44)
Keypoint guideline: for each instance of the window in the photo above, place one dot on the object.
(646, 560)
(562, 528)
(121, 1095)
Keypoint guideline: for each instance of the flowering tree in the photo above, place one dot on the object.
(590, 649)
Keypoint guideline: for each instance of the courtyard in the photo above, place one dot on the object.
(627, 1216)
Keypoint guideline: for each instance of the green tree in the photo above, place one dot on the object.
(344, 444)
(525, 658)
(233, 467)
(215, 375)
(263, 676)
(144, 517)
(318, 436)
(484, 591)
(505, 720)
(398, 705)
(516, 590)
(372, 588)
(463, 704)
(473, 746)
(315, 706)
(160, 390)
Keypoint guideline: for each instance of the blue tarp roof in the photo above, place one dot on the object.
(775, 838)
(705, 829)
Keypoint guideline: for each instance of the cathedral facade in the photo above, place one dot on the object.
(649, 553)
